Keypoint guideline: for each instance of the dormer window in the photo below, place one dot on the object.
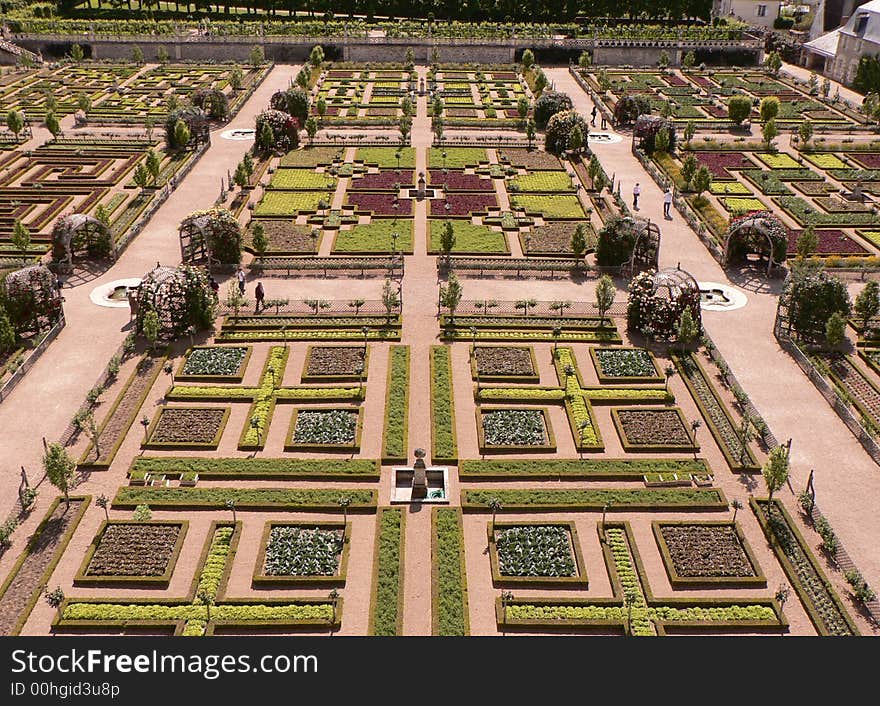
(861, 24)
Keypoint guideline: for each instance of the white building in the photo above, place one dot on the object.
(837, 53)
(760, 13)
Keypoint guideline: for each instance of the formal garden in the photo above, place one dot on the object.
(451, 274)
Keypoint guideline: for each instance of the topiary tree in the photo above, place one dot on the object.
(835, 329)
(769, 131)
(15, 122)
(605, 293)
(702, 181)
(773, 62)
(311, 128)
(549, 104)
(739, 108)
(258, 238)
(616, 241)
(630, 106)
(450, 294)
(769, 108)
(688, 169)
(578, 242)
(557, 137)
(805, 131)
(184, 126)
(807, 242)
(316, 57)
(52, 124)
(21, 237)
(447, 239)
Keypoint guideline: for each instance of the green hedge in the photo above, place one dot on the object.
(387, 617)
(624, 499)
(244, 498)
(449, 578)
(590, 468)
(394, 436)
(444, 443)
(287, 468)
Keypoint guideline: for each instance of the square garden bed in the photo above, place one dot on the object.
(504, 364)
(653, 429)
(539, 554)
(302, 554)
(515, 429)
(325, 429)
(335, 364)
(214, 364)
(134, 553)
(711, 554)
(625, 365)
(187, 428)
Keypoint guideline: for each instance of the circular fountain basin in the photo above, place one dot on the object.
(114, 294)
(604, 138)
(720, 297)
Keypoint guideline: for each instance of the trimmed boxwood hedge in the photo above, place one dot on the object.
(292, 499)
(262, 468)
(572, 469)
(617, 499)
(386, 615)
(396, 427)
(449, 579)
(444, 445)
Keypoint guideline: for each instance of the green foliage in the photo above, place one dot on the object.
(835, 329)
(579, 241)
(605, 293)
(242, 497)
(535, 550)
(181, 134)
(150, 327)
(812, 298)
(21, 237)
(867, 78)
(686, 328)
(303, 551)
(451, 293)
(775, 470)
(548, 104)
(867, 304)
(769, 132)
(596, 498)
(773, 62)
(387, 605)
(807, 242)
(702, 180)
(769, 108)
(59, 468)
(15, 122)
(316, 57)
(450, 612)
(596, 468)
(286, 468)
(397, 408)
(257, 56)
(142, 513)
(442, 405)
(738, 108)
(8, 336)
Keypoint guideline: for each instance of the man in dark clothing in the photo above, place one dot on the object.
(259, 295)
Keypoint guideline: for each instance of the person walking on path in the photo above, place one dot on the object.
(636, 191)
(240, 275)
(604, 121)
(593, 115)
(667, 203)
(259, 295)
(215, 287)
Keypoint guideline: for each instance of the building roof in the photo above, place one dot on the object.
(825, 45)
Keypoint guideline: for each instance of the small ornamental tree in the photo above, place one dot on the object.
(605, 293)
(153, 163)
(739, 108)
(390, 298)
(807, 242)
(775, 470)
(316, 58)
(584, 60)
(76, 53)
(450, 294)
(769, 108)
(578, 242)
(688, 169)
(311, 128)
(867, 304)
(321, 107)
(162, 55)
(15, 122)
(21, 237)
(257, 56)
(769, 131)
(293, 101)
(616, 241)
(690, 129)
(447, 239)
(137, 55)
(258, 238)
(530, 132)
(240, 178)
(528, 59)
(7, 332)
(702, 181)
(59, 468)
(84, 102)
(52, 124)
(141, 176)
(151, 327)
(630, 106)
(686, 329)
(773, 62)
(522, 107)
(236, 78)
(689, 60)
(835, 329)
(805, 131)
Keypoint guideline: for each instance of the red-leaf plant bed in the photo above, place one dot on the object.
(381, 204)
(869, 160)
(383, 180)
(463, 204)
(831, 242)
(459, 181)
(720, 162)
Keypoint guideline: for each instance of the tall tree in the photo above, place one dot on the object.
(775, 470)
(59, 468)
